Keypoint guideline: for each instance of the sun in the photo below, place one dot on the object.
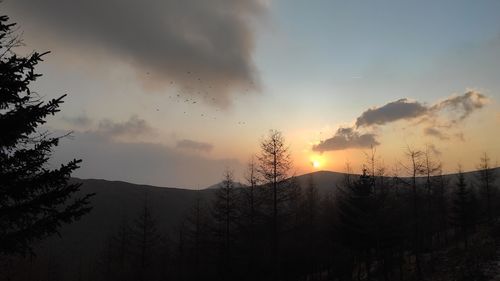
(317, 161)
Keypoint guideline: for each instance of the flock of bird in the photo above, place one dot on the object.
(191, 96)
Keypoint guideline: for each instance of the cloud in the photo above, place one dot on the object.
(452, 110)
(346, 138)
(78, 121)
(135, 126)
(393, 111)
(140, 162)
(194, 145)
(462, 106)
(435, 132)
(443, 114)
(200, 45)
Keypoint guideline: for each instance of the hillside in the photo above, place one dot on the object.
(116, 201)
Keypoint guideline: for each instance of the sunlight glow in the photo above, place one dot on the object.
(316, 161)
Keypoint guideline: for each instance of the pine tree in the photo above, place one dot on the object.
(225, 213)
(251, 218)
(311, 211)
(357, 218)
(193, 240)
(487, 177)
(34, 200)
(144, 238)
(463, 208)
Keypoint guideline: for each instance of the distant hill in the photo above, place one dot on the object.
(325, 181)
(81, 243)
(217, 185)
(117, 200)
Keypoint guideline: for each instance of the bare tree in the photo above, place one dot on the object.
(250, 193)
(415, 168)
(274, 166)
(251, 214)
(431, 168)
(225, 213)
(486, 177)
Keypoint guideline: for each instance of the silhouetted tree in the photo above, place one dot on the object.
(441, 207)
(416, 168)
(251, 196)
(144, 241)
(430, 169)
(34, 200)
(120, 243)
(487, 177)
(311, 213)
(225, 213)
(357, 213)
(251, 218)
(115, 261)
(274, 165)
(194, 235)
(463, 208)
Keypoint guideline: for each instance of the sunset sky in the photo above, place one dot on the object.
(171, 92)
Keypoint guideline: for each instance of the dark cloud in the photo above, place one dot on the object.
(441, 116)
(346, 138)
(198, 44)
(393, 111)
(454, 109)
(135, 126)
(436, 132)
(194, 145)
(140, 162)
(462, 106)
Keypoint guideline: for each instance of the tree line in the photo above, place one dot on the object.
(411, 224)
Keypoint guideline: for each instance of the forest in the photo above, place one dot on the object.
(410, 223)
(420, 225)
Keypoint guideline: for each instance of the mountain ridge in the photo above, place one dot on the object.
(316, 174)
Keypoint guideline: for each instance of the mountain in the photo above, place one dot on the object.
(325, 181)
(81, 243)
(217, 185)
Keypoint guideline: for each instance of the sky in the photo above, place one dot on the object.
(172, 93)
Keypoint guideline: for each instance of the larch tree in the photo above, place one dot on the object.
(357, 214)
(414, 169)
(274, 166)
(251, 195)
(487, 177)
(463, 207)
(225, 213)
(311, 212)
(144, 239)
(34, 200)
